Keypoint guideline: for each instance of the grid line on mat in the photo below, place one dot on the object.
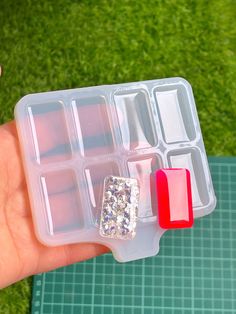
(194, 272)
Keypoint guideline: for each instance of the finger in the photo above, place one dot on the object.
(52, 258)
(10, 161)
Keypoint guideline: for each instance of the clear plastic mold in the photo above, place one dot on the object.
(72, 140)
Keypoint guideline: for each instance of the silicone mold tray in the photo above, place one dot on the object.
(71, 140)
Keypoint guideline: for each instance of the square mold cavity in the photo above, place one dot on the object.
(95, 175)
(143, 169)
(49, 133)
(93, 126)
(174, 113)
(62, 201)
(190, 158)
(135, 119)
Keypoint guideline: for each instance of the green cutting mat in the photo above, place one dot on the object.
(194, 272)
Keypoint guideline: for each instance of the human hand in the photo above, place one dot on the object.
(21, 254)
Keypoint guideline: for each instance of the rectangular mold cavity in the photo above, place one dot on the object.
(62, 201)
(95, 176)
(175, 113)
(135, 119)
(143, 169)
(49, 132)
(190, 159)
(93, 126)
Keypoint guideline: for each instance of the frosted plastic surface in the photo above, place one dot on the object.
(188, 159)
(48, 126)
(72, 139)
(62, 200)
(93, 126)
(135, 120)
(172, 121)
(143, 169)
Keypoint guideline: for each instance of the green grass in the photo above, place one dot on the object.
(61, 44)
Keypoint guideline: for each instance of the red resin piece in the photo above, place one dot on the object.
(174, 195)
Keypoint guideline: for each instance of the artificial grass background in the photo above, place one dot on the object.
(63, 44)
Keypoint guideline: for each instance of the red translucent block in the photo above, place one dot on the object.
(175, 209)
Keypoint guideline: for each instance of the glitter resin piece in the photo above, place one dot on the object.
(119, 208)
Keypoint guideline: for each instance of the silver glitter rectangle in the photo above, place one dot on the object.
(119, 208)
